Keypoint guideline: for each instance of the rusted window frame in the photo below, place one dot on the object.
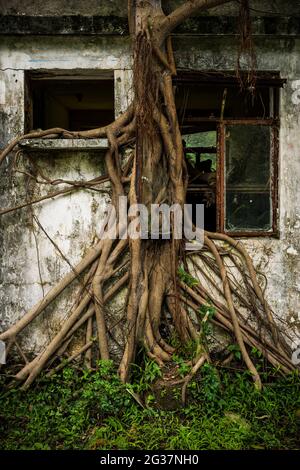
(273, 124)
(270, 79)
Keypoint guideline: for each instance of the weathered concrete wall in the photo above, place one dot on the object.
(30, 264)
(72, 220)
(119, 7)
(61, 17)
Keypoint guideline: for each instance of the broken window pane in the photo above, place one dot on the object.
(201, 159)
(201, 140)
(247, 178)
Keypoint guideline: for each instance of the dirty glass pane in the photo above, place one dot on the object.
(248, 178)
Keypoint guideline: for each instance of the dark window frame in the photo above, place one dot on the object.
(271, 80)
(273, 124)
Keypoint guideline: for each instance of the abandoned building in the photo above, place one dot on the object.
(69, 64)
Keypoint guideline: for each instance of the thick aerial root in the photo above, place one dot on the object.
(154, 296)
(113, 129)
(37, 366)
(92, 254)
(156, 173)
(89, 334)
(69, 327)
(241, 249)
(191, 374)
(152, 289)
(229, 300)
(218, 288)
(222, 319)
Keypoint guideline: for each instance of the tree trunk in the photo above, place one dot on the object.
(156, 174)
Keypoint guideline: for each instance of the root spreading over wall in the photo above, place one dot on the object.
(167, 288)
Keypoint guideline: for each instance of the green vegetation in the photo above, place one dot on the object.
(186, 278)
(93, 410)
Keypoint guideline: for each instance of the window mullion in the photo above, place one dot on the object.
(220, 189)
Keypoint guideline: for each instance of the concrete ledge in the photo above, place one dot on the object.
(64, 144)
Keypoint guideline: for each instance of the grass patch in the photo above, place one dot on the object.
(83, 410)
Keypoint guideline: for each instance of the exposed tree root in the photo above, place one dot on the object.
(157, 296)
(189, 377)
